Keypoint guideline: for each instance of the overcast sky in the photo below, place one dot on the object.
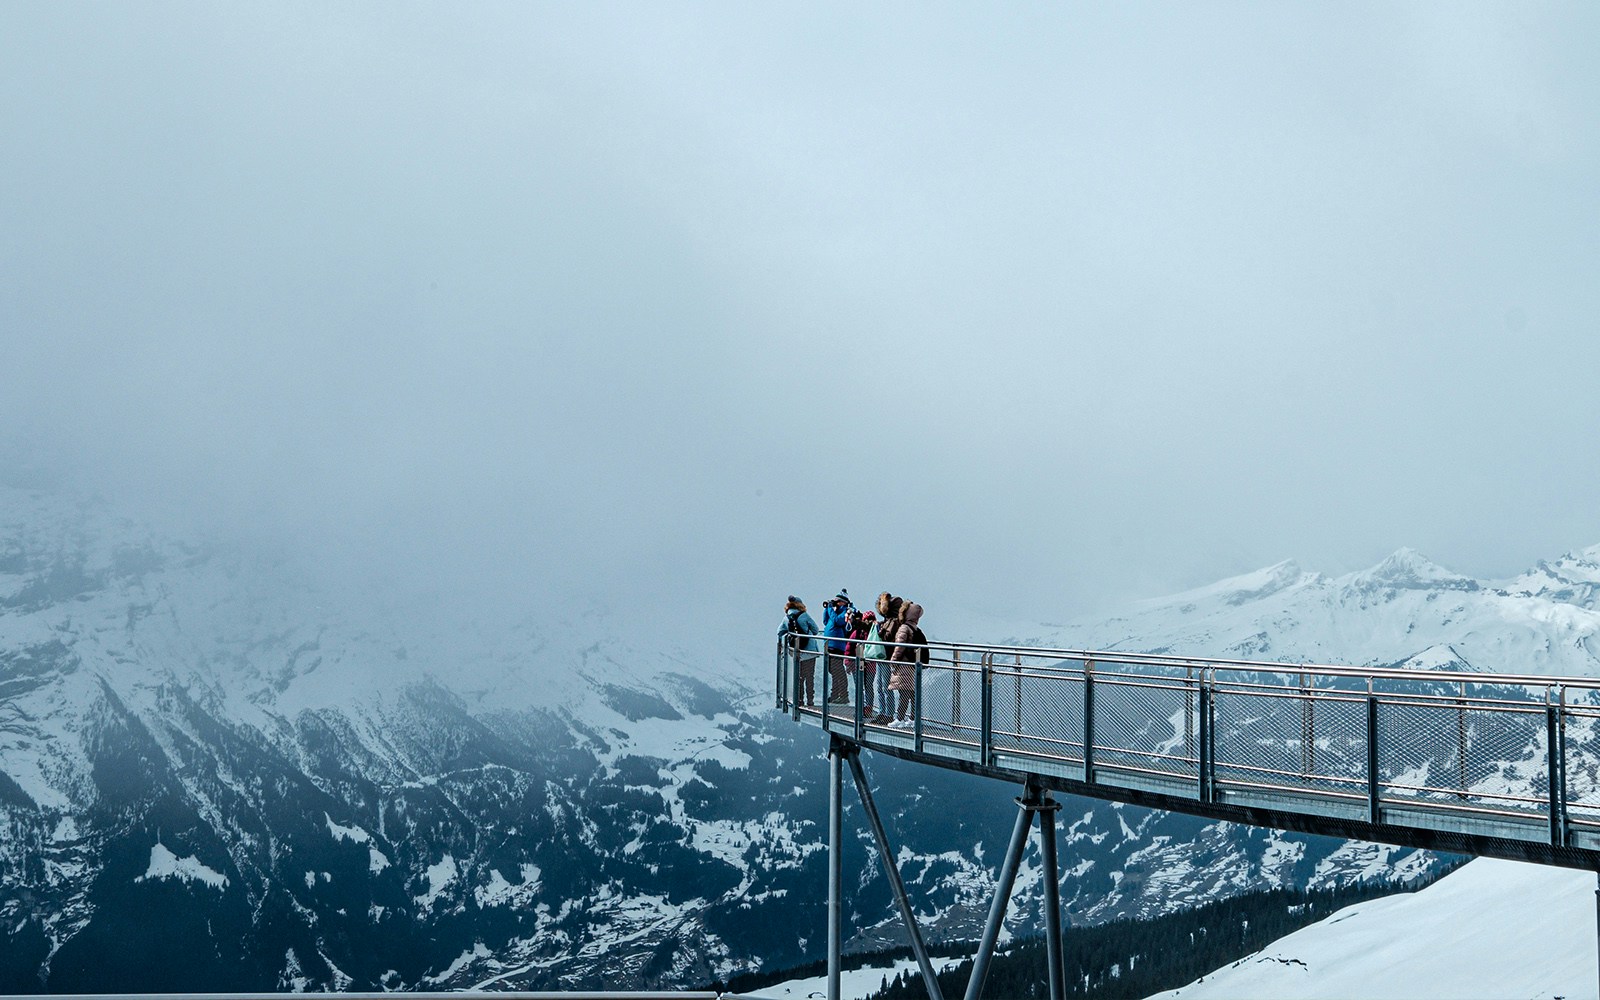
(1021, 308)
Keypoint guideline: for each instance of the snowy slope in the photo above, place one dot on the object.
(1490, 929)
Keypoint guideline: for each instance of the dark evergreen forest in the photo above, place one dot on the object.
(1122, 959)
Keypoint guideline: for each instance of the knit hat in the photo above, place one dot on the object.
(843, 595)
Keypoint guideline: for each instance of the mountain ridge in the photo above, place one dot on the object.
(371, 795)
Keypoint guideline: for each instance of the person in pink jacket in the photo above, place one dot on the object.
(861, 627)
(903, 661)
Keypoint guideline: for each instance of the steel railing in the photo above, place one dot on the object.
(1496, 755)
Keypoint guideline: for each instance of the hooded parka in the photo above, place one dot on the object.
(904, 658)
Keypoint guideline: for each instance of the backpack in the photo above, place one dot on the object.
(874, 648)
(796, 628)
(918, 639)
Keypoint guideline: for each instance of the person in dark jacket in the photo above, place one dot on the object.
(836, 626)
(799, 627)
(889, 608)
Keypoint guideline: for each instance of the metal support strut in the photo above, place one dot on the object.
(1027, 805)
(1052, 897)
(891, 870)
(835, 864)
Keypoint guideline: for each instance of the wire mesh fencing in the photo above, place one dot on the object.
(1284, 732)
(1520, 749)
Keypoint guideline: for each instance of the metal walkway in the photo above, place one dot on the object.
(1495, 765)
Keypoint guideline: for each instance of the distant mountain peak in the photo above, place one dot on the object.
(1408, 569)
(1245, 587)
(1574, 578)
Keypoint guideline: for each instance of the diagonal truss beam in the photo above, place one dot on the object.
(1027, 805)
(929, 977)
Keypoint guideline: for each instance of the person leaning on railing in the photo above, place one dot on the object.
(797, 629)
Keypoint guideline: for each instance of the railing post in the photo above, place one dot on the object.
(1188, 712)
(1211, 732)
(916, 700)
(1088, 722)
(955, 694)
(986, 710)
(1206, 741)
(1016, 714)
(1373, 775)
(1461, 741)
(860, 719)
(827, 695)
(1556, 754)
(1308, 728)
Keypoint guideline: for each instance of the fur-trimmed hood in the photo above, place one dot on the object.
(794, 604)
(888, 606)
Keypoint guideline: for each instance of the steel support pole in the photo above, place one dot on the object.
(1002, 891)
(892, 871)
(835, 864)
(1052, 898)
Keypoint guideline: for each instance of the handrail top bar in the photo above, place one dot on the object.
(1266, 666)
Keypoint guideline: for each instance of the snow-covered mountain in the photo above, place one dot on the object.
(1405, 611)
(1489, 929)
(311, 786)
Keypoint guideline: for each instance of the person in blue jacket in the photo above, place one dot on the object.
(836, 627)
(799, 627)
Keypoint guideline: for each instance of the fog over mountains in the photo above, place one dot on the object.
(217, 774)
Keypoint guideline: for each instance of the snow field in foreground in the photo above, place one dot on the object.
(1491, 929)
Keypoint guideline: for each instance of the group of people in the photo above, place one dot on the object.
(888, 642)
